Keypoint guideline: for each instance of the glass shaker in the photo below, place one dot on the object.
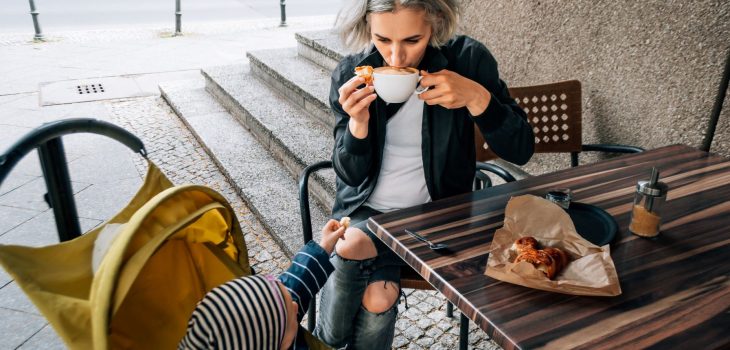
(648, 202)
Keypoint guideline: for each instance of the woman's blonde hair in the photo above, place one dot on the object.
(352, 20)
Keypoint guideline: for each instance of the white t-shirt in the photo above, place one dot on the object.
(402, 182)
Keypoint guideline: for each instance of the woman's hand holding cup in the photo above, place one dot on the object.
(451, 90)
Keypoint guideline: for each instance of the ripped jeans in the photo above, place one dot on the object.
(343, 321)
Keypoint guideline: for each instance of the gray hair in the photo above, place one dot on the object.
(352, 20)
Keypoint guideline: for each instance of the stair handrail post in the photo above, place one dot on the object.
(34, 13)
(282, 5)
(178, 18)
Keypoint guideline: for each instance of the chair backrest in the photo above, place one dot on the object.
(553, 110)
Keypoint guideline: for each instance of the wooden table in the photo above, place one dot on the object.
(676, 288)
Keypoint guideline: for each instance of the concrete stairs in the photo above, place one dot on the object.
(263, 123)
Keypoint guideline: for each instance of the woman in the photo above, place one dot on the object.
(392, 156)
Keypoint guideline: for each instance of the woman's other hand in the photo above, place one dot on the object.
(355, 103)
(331, 233)
(452, 90)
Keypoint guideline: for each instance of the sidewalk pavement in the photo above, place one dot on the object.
(105, 174)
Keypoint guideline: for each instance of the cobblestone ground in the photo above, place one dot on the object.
(173, 148)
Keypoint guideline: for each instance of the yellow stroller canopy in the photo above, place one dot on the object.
(133, 281)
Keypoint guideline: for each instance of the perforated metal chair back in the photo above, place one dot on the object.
(554, 111)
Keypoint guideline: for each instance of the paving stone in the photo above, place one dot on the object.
(413, 332)
(40, 231)
(11, 134)
(425, 342)
(101, 201)
(46, 339)
(434, 301)
(437, 315)
(439, 346)
(434, 332)
(30, 165)
(13, 181)
(17, 327)
(114, 164)
(13, 298)
(402, 323)
(424, 323)
(4, 278)
(449, 340)
(476, 337)
(12, 217)
(424, 307)
(400, 341)
(444, 325)
(30, 195)
(414, 346)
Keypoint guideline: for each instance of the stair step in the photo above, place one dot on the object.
(281, 126)
(303, 82)
(259, 179)
(322, 47)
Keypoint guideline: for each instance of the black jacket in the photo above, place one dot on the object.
(449, 155)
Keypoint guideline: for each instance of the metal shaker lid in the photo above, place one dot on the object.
(659, 189)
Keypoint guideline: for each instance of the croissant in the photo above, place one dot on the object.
(345, 221)
(559, 256)
(523, 244)
(541, 260)
(365, 72)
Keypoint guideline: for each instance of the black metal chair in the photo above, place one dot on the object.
(409, 277)
(555, 113)
(47, 139)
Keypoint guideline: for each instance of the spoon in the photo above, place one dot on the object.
(433, 246)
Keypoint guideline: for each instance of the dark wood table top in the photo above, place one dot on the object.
(676, 288)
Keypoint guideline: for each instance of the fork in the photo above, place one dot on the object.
(433, 246)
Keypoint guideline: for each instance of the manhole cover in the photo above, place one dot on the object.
(85, 90)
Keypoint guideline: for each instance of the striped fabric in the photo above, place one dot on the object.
(249, 312)
(306, 275)
(244, 313)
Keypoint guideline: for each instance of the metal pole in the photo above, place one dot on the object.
(60, 194)
(464, 332)
(34, 14)
(282, 4)
(178, 18)
(717, 108)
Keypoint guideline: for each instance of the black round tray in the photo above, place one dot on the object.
(593, 223)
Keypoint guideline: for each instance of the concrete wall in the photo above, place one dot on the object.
(650, 69)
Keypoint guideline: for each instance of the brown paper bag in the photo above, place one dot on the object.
(590, 271)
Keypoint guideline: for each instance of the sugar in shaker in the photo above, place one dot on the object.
(648, 202)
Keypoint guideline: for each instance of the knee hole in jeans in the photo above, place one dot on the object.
(356, 245)
(380, 296)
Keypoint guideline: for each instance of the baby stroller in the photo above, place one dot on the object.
(133, 281)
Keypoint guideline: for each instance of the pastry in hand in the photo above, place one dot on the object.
(365, 72)
(345, 221)
(523, 244)
(541, 260)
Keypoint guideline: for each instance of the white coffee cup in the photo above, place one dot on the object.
(396, 84)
